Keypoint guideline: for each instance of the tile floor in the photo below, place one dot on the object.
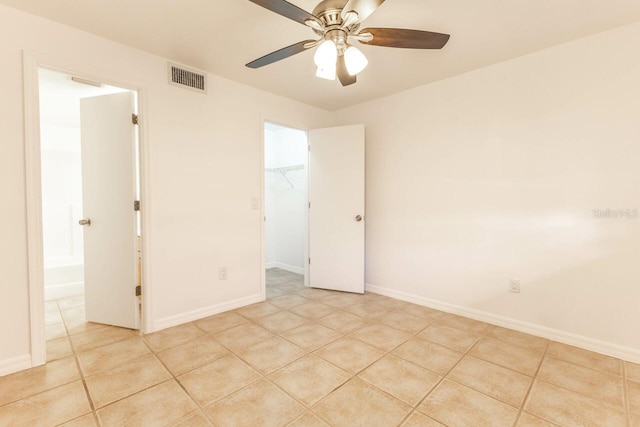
(315, 358)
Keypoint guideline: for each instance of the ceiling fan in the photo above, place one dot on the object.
(337, 22)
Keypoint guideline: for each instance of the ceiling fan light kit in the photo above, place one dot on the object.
(337, 22)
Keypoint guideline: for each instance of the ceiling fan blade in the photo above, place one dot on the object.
(287, 10)
(343, 75)
(281, 54)
(364, 8)
(408, 39)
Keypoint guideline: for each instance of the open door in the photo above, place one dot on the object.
(336, 210)
(108, 191)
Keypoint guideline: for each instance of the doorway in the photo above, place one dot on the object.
(72, 167)
(286, 208)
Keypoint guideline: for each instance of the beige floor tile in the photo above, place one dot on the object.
(48, 408)
(465, 324)
(585, 358)
(281, 322)
(633, 388)
(309, 379)
(51, 307)
(635, 420)
(404, 321)
(349, 354)
(601, 386)
(173, 337)
(193, 354)
(114, 384)
(289, 287)
(424, 313)
(456, 405)
(308, 419)
(52, 316)
(242, 336)
(518, 338)
(342, 322)
(342, 300)
(358, 403)
(400, 378)
(58, 349)
(220, 322)
(316, 294)
(508, 355)
(159, 405)
(228, 374)
(380, 336)
(449, 337)
(567, 408)
(429, 355)
(100, 337)
(112, 355)
(258, 310)
(528, 420)
(420, 420)
(35, 380)
(78, 326)
(55, 331)
(503, 384)
(70, 302)
(196, 420)
(272, 354)
(633, 371)
(313, 310)
(288, 301)
(311, 336)
(73, 313)
(369, 310)
(273, 292)
(83, 421)
(392, 303)
(261, 404)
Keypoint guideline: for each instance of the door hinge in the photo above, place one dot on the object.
(309, 147)
(309, 260)
(138, 290)
(136, 205)
(134, 119)
(309, 205)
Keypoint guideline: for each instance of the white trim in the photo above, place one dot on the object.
(592, 344)
(34, 210)
(63, 291)
(200, 313)
(34, 200)
(15, 364)
(286, 267)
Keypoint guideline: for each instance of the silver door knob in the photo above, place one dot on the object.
(358, 218)
(85, 221)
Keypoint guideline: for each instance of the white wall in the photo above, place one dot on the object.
(286, 206)
(204, 168)
(494, 175)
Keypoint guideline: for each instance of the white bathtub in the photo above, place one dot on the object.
(63, 278)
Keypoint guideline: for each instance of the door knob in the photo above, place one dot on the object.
(358, 218)
(85, 221)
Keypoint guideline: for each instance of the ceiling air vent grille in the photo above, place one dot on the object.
(187, 78)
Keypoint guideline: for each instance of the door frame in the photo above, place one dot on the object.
(33, 167)
(263, 275)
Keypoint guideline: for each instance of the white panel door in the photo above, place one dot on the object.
(336, 213)
(108, 192)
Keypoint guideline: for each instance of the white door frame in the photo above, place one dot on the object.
(34, 199)
(263, 276)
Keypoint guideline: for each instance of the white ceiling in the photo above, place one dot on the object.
(221, 36)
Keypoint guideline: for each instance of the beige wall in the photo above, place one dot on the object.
(494, 175)
(204, 170)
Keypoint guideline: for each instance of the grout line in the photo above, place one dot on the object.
(625, 386)
(533, 380)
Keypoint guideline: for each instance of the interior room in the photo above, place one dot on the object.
(353, 212)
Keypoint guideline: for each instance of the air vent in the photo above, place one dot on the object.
(187, 78)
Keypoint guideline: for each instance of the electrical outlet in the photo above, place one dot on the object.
(222, 273)
(514, 286)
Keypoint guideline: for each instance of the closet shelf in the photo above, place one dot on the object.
(283, 171)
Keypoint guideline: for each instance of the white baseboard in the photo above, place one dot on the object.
(63, 291)
(286, 267)
(15, 364)
(610, 349)
(200, 313)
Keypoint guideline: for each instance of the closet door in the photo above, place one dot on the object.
(336, 213)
